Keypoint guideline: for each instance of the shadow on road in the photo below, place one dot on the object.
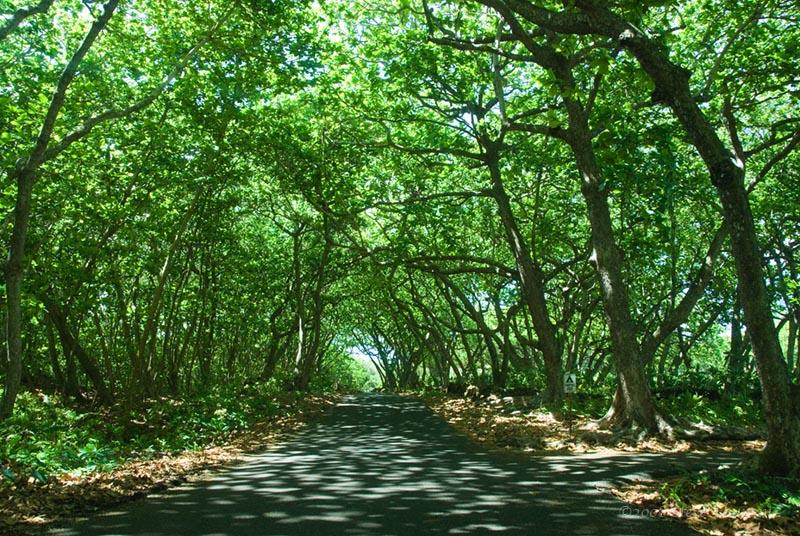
(385, 465)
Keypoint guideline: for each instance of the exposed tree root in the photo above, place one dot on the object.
(701, 432)
(629, 429)
(624, 423)
(511, 423)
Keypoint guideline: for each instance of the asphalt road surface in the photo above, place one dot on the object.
(385, 465)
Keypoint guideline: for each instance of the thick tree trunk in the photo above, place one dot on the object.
(14, 274)
(780, 399)
(633, 403)
(781, 404)
(735, 358)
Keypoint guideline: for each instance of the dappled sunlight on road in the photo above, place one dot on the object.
(382, 464)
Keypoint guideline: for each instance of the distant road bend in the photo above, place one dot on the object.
(385, 465)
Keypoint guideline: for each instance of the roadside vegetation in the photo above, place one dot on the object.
(61, 460)
(211, 207)
(723, 501)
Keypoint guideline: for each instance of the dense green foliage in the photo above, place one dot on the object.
(486, 193)
(45, 437)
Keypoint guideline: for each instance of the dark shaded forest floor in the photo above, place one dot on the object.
(729, 500)
(30, 506)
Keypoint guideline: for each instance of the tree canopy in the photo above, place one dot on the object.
(490, 193)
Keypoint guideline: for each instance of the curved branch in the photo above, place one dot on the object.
(19, 16)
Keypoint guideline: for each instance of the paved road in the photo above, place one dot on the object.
(385, 465)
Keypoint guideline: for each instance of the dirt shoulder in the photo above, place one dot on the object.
(725, 501)
(513, 423)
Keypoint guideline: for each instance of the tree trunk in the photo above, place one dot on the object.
(311, 352)
(633, 402)
(140, 373)
(735, 358)
(52, 352)
(71, 344)
(532, 286)
(483, 328)
(14, 274)
(780, 400)
(25, 175)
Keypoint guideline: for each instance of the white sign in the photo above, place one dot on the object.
(570, 383)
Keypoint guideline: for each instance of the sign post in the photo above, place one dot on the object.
(570, 383)
(570, 386)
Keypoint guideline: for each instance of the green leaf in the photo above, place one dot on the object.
(8, 474)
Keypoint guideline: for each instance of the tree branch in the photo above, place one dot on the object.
(19, 16)
(118, 113)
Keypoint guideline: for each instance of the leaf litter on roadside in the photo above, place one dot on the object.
(716, 503)
(28, 506)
